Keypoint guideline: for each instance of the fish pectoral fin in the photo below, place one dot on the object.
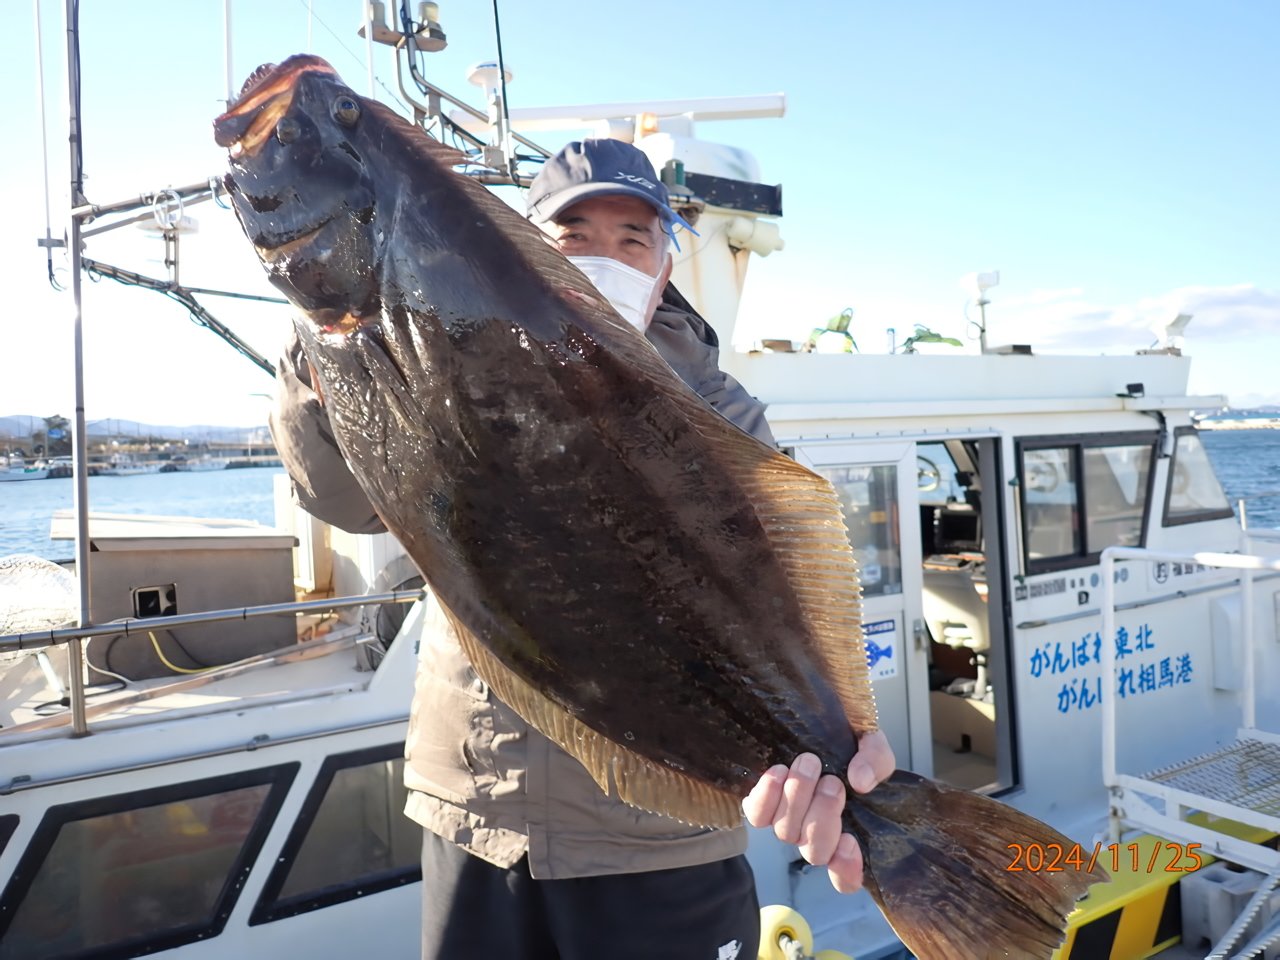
(639, 781)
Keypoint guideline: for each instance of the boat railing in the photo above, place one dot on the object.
(1242, 511)
(1222, 783)
(39, 640)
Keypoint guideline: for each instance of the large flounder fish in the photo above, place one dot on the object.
(670, 600)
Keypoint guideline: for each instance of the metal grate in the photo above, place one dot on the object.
(1245, 773)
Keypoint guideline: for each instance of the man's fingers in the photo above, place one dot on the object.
(821, 828)
(761, 804)
(873, 762)
(797, 793)
(845, 866)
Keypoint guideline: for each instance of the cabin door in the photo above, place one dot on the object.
(877, 486)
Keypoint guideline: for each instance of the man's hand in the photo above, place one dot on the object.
(805, 809)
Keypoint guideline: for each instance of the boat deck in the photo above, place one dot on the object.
(1245, 774)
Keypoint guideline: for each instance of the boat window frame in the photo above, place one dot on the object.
(270, 906)
(1202, 516)
(1081, 441)
(8, 826)
(278, 778)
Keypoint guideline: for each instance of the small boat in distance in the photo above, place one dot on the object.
(17, 469)
(201, 464)
(126, 465)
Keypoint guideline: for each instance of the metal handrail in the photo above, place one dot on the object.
(1247, 564)
(332, 643)
(1242, 511)
(72, 636)
(39, 639)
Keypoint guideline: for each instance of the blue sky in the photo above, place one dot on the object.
(1116, 162)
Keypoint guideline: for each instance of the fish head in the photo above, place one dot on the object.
(302, 187)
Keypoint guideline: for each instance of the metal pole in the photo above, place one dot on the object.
(1107, 572)
(79, 450)
(130, 626)
(982, 328)
(368, 42)
(188, 194)
(226, 45)
(1246, 627)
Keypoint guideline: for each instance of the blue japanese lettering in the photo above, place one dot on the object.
(1067, 697)
(1143, 637)
(1038, 661)
(1146, 677)
(1184, 668)
(1125, 687)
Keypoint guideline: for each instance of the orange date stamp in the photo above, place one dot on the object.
(1054, 858)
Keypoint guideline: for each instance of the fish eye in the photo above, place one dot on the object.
(346, 111)
(288, 130)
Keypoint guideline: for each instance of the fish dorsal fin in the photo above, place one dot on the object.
(803, 519)
(417, 138)
(639, 781)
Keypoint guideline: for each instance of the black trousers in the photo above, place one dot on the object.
(472, 909)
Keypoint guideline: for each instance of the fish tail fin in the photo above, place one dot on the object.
(943, 866)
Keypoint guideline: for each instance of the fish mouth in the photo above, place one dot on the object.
(294, 241)
(265, 97)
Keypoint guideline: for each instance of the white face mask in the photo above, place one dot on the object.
(628, 289)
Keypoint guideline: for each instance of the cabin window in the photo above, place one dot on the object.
(1050, 501)
(139, 872)
(351, 839)
(1194, 491)
(8, 824)
(869, 499)
(1115, 495)
(936, 480)
(1081, 495)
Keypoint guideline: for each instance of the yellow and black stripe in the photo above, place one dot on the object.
(1134, 916)
(1137, 914)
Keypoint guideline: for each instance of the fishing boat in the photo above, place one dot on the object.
(1062, 610)
(18, 469)
(126, 465)
(200, 464)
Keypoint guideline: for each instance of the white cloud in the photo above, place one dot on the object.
(1054, 321)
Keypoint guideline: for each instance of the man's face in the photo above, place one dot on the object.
(625, 229)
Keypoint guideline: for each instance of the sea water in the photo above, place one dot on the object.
(27, 506)
(1247, 462)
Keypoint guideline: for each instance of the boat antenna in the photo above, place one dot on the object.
(504, 119)
(980, 283)
(48, 242)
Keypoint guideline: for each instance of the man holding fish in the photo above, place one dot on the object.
(519, 839)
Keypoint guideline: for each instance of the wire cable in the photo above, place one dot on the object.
(360, 60)
(103, 669)
(173, 666)
(502, 77)
(189, 655)
(50, 707)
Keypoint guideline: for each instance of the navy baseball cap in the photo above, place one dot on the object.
(597, 168)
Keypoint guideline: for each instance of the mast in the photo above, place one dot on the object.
(79, 447)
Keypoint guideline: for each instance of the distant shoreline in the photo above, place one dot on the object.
(1241, 423)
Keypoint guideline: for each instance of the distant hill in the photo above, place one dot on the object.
(21, 425)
